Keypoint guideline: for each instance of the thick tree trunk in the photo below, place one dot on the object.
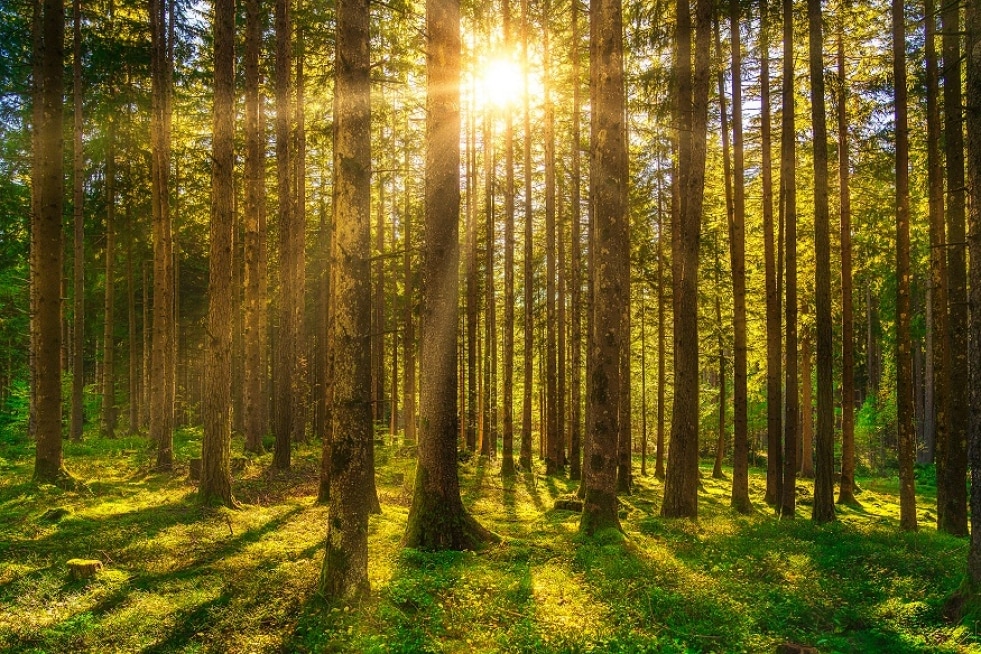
(46, 239)
(737, 248)
(904, 373)
(953, 517)
(163, 353)
(681, 484)
(215, 485)
(774, 362)
(787, 499)
(78, 218)
(575, 277)
(344, 574)
(824, 501)
(611, 270)
(846, 489)
(437, 518)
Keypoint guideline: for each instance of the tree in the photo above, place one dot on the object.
(524, 458)
(737, 246)
(344, 574)
(108, 417)
(610, 269)
(575, 278)
(507, 460)
(47, 188)
(216, 477)
(824, 502)
(256, 400)
(163, 371)
(904, 372)
(437, 518)
(78, 218)
(846, 489)
(681, 483)
(787, 498)
(952, 517)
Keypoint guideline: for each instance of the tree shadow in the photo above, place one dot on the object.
(531, 486)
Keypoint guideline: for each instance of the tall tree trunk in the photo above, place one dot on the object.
(528, 281)
(216, 478)
(611, 270)
(163, 370)
(904, 373)
(643, 385)
(806, 410)
(553, 436)
(323, 402)
(437, 518)
(507, 459)
(720, 444)
(78, 217)
(147, 336)
(953, 517)
(488, 431)
(256, 423)
(302, 375)
(289, 298)
(774, 363)
(661, 345)
(378, 304)
(133, 357)
(846, 489)
(473, 376)
(408, 326)
(787, 500)
(737, 246)
(681, 484)
(824, 501)
(48, 183)
(108, 411)
(575, 277)
(344, 574)
(973, 120)
(938, 418)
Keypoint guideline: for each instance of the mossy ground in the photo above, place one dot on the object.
(182, 578)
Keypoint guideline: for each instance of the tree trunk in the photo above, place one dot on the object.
(681, 484)
(256, 419)
(302, 349)
(608, 181)
(378, 305)
(973, 120)
(488, 431)
(163, 354)
(507, 459)
(344, 574)
(215, 485)
(575, 277)
(553, 436)
(46, 239)
(528, 281)
(904, 373)
(132, 337)
(787, 500)
(774, 363)
(846, 489)
(824, 501)
(806, 411)
(409, 333)
(287, 331)
(720, 444)
(737, 247)
(473, 377)
(661, 346)
(953, 517)
(437, 518)
(78, 216)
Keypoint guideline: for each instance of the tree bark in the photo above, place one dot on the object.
(528, 281)
(661, 354)
(78, 217)
(953, 517)
(681, 484)
(553, 437)
(344, 575)
(806, 410)
(488, 430)
(108, 410)
(408, 326)
(507, 458)
(575, 277)
(437, 519)
(787, 499)
(824, 501)
(163, 370)
(46, 239)
(904, 373)
(846, 489)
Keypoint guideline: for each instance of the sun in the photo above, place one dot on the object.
(501, 83)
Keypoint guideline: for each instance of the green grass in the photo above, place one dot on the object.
(182, 578)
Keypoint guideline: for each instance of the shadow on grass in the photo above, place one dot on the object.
(531, 486)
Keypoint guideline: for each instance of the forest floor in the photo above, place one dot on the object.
(179, 577)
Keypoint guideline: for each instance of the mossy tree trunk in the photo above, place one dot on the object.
(437, 518)
(345, 569)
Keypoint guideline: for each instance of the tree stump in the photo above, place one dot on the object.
(79, 569)
(194, 474)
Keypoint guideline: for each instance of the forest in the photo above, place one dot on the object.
(490, 326)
